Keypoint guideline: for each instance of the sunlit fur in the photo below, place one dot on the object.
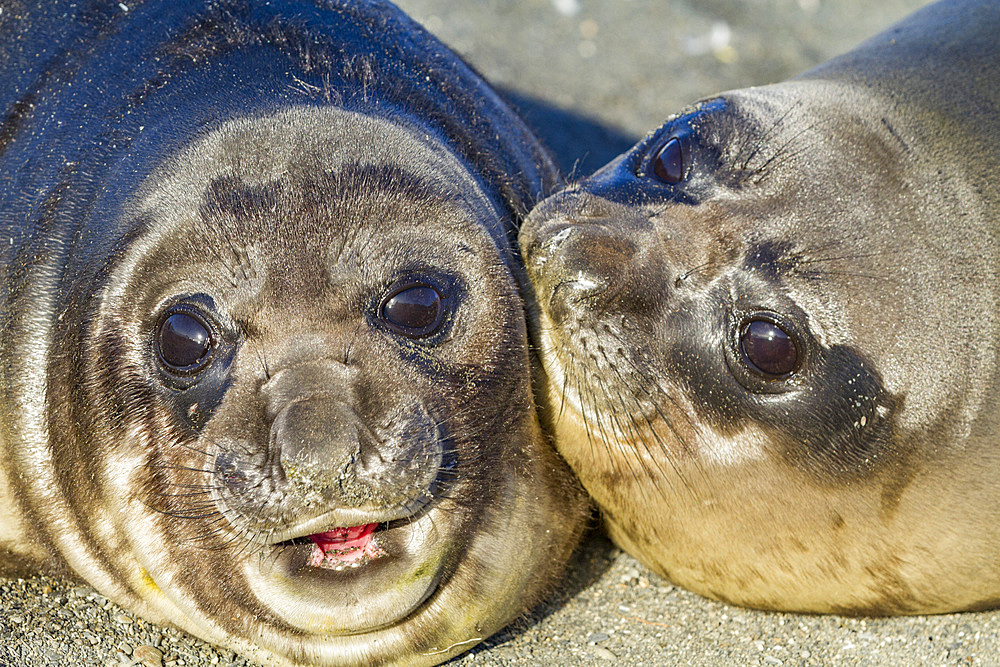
(857, 205)
(276, 169)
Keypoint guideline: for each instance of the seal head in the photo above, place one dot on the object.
(769, 330)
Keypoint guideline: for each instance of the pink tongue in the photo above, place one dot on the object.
(344, 546)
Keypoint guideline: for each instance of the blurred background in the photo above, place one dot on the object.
(594, 75)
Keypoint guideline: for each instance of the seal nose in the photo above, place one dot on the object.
(317, 433)
(582, 266)
(326, 447)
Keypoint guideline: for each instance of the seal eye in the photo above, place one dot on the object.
(183, 342)
(768, 348)
(668, 165)
(413, 310)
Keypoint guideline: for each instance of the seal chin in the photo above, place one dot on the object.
(334, 582)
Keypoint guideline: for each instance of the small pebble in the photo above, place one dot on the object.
(148, 656)
(122, 618)
(598, 637)
(602, 653)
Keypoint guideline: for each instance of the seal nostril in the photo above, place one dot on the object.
(588, 265)
(574, 296)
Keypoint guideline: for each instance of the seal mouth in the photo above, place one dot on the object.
(337, 548)
(351, 579)
(341, 547)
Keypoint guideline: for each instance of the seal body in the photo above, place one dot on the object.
(769, 331)
(265, 373)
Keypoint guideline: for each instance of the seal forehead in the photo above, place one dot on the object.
(309, 140)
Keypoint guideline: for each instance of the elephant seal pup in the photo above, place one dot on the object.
(770, 331)
(265, 372)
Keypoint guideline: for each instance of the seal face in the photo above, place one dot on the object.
(265, 369)
(768, 332)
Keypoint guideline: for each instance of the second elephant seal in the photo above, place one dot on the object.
(770, 331)
(264, 370)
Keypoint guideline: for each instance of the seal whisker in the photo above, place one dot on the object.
(173, 466)
(761, 172)
(856, 274)
(664, 450)
(633, 436)
(349, 345)
(261, 354)
(602, 385)
(609, 443)
(583, 411)
(189, 446)
(187, 495)
(202, 225)
(759, 141)
(840, 258)
(645, 377)
(696, 269)
(562, 353)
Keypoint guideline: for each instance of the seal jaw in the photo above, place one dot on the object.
(338, 586)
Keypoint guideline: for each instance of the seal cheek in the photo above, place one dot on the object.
(733, 449)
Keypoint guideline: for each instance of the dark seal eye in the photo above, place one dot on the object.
(183, 342)
(768, 348)
(668, 165)
(414, 310)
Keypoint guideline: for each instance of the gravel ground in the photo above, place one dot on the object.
(591, 75)
(609, 611)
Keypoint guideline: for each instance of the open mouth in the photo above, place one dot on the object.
(349, 579)
(345, 547)
(342, 547)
